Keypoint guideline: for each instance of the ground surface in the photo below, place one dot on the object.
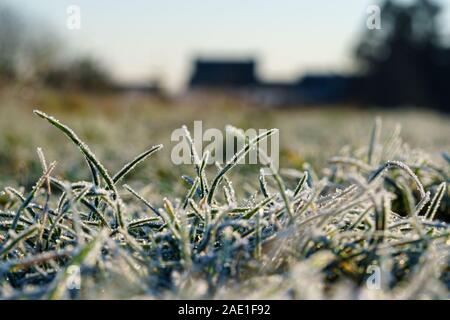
(368, 223)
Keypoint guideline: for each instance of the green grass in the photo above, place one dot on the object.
(314, 231)
(118, 128)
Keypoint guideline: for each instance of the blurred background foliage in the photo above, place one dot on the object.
(407, 63)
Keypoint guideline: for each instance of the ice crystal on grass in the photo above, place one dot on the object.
(319, 236)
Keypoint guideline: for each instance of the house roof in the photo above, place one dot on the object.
(223, 73)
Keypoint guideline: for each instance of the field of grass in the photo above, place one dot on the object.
(358, 210)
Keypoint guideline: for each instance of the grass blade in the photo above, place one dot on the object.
(82, 146)
(131, 165)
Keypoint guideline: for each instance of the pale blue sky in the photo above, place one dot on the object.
(139, 39)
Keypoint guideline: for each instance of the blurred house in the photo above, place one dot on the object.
(238, 78)
(227, 74)
(405, 63)
(326, 88)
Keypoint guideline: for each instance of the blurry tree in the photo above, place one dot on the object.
(10, 41)
(406, 62)
(27, 48)
(32, 54)
(40, 53)
(83, 73)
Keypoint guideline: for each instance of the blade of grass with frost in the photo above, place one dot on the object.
(258, 235)
(190, 193)
(42, 159)
(63, 187)
(331, 213)
(397, 164)
(360, 218)
(69, 204)
(95, 179)
(66, 189)
(339, 195)
(375, 137)
(210, 231)
(196, 210)
(231, 193)
(94, 172)
(145, 202)
(177, 230)
(274, 171)
(258, 207)
(97, 192)
(170, 210)
(302, 208)
(381, 218)
(202, 176)
(44, 218)
(263, 184)
(12, 242)
(422, 204)
(194, 154)
(190, 182)
(22, 199)
(236, 158)
(31, 195)
(77, 223)
(301, 184)
(131, 165)
(34, 259)
(436, 202)
(96, 212)
(10, 215)
(280, 183)
(312, 175)
(82, 146)
(142, 222)
(228, 197)
(351, 162)
(284, 196)
(194, 157)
